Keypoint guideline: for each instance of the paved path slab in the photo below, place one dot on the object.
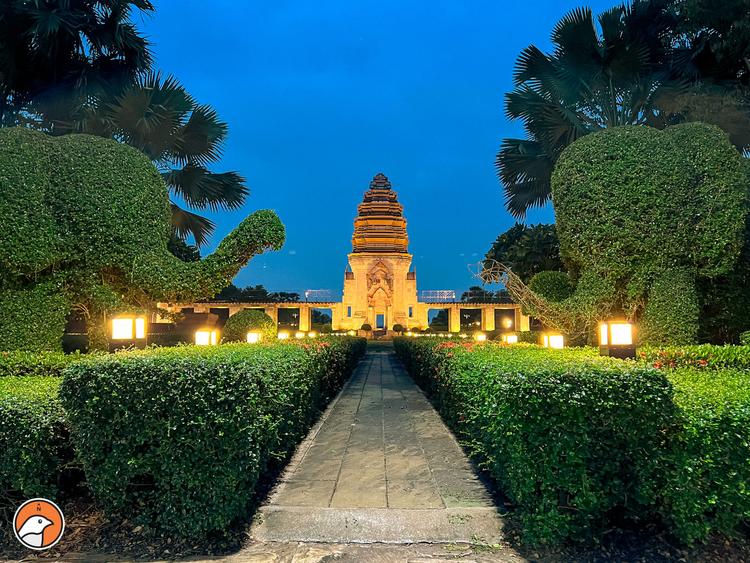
(380, 466)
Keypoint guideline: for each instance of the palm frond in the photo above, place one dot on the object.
(200, 139)
(186, 224)
(204, 189)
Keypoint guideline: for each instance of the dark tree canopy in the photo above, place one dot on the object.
(527, 250)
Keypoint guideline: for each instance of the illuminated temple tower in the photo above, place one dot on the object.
(379, 288)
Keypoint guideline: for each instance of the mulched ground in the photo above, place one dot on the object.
(92, 536)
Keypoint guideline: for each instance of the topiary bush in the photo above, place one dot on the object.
(572, 438)
(398, 328)
(552, 285)
(745, 338)
(177, 438)
(34, 439)
(635, 204)
(239, 324)
(366, 327)
(86, 222)
(672, 312)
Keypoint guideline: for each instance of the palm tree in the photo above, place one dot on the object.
(54, 52)
(592, 80)
(160, 118)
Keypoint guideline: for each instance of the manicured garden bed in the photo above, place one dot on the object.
(175, 438)
(579, 442)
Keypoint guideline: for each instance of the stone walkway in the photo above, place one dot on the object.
(380, 466)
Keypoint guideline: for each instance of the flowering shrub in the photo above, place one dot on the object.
(700, 356)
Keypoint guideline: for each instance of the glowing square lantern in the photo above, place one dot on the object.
(282, 335)
(553, 341)
(299, 335)
(253, 337)
(312, 334)
(206, 337)
(616, 339)
(510, 338)
(128, 328)
(480, 337)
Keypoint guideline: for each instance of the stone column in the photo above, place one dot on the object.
(488, 318)
(304, 317)
(454, 319)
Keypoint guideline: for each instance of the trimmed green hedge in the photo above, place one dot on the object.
(35, 363)
(178, 438)
(34, 446)
(708, 469)
(552, 285)
(239, 324)
(578, 441)
(571, 437)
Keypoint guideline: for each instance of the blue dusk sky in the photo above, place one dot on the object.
(320, 96)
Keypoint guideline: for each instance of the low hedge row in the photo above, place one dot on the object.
(177, 438)
(708, 465)
(570, 437)
(34, 445)
(35, 363)
(708, 356)
(579, 442)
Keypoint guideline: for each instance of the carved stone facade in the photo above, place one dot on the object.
(379, 287)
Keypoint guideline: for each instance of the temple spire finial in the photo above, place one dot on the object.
(380, 182)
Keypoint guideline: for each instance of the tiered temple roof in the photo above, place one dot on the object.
(380, 225)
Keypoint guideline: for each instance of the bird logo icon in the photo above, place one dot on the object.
(38, 524)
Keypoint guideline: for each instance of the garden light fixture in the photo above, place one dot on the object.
(253, 337)
(206, 337)
(616, 339)
(510, 338)
(128, 328)
(312, 334)
(283, 335)
(552, 340)
(480, 337)
(299, 335)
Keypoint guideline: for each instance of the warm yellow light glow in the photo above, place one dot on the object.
(312, 334)
(464, 335)
(122, 329)
(507, 323)
(206, 337)
(140, 327)
(510, 338)
(480, 337)
(409, 333)
(283, 335)
(128, 328)
(554, 341)
(352, 333)
(299, 334)
(253, 337)
(616, 333)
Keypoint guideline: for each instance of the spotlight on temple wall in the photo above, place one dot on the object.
(206, 337)
(553, 340)
(616, 339)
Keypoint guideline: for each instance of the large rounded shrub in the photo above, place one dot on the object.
(90, 217)
(239, 324)
(635, 203)
(552, 285)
